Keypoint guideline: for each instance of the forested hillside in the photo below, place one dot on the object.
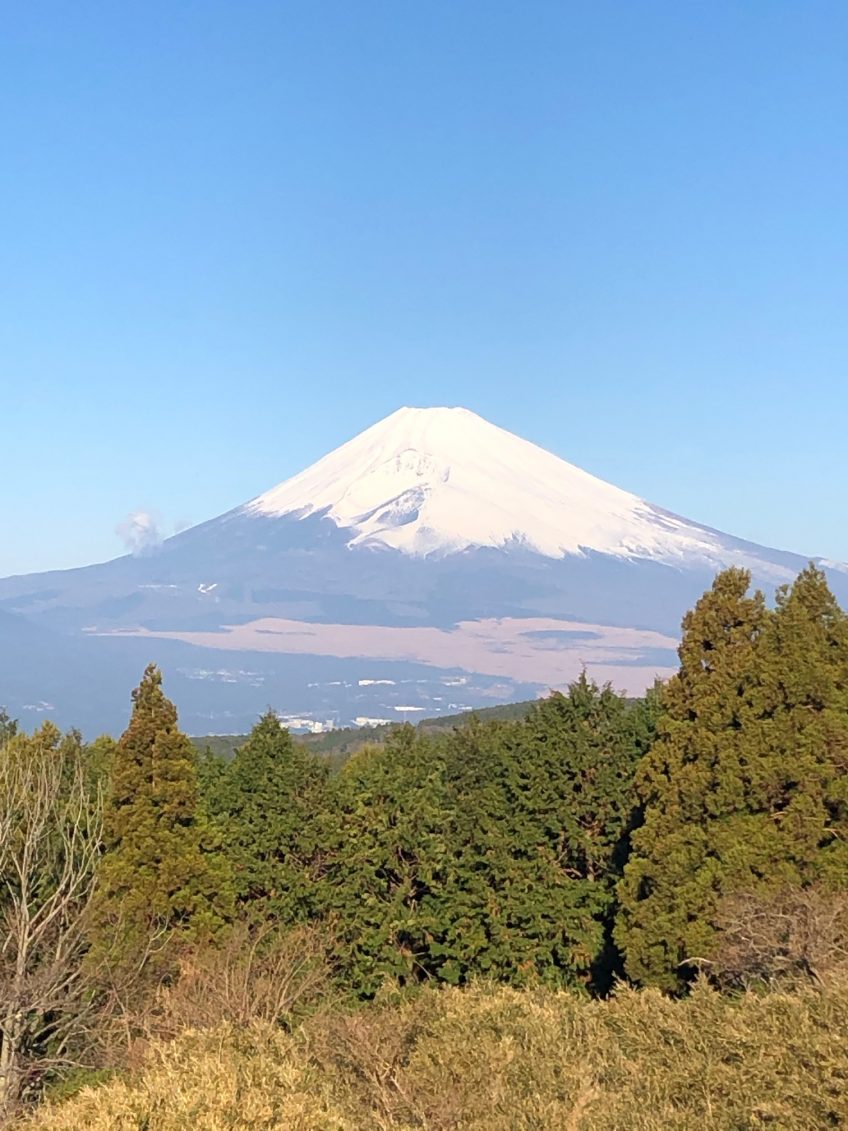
(494, 924)
(340, 743)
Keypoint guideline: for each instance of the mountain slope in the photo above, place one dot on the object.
(438, 481)
(435, 543)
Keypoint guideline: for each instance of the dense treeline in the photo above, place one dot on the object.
(493, 850)
(703, 828)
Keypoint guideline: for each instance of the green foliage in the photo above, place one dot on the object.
(385, 843)
(338, 745)
(745, 785)
(512, 906)
(493, 850)
(805, 739)
(71, 1083)
(156, 873)
(100, 761)
(212, 769)
(269, 801)
(539, 814)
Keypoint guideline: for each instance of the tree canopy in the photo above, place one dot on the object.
(745, 784)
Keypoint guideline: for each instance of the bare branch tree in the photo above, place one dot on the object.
(264, 974)
(50, 840)
(790, 933)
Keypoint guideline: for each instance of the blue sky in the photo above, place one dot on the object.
(235, 234)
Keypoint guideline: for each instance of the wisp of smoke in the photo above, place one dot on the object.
(140, 532)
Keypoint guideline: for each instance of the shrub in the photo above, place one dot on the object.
(499, 1059)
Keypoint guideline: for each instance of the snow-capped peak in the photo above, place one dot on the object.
(441, 480)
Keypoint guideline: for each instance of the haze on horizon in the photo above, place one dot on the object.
(236, 236)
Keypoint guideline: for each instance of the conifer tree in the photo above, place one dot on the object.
(273, 794)
(155, 874)
(744, 788)
(592, 740)
(694, 785)
(539, 811)
(804, 668)
(509, 907)
(385, 841)
(492, 851)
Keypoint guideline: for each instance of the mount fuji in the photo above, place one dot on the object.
(434, 562)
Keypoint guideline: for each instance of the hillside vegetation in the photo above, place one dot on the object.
(490, 1059)
(339, 744)
(600, 913)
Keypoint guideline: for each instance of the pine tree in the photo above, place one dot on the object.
(155, 874)
(273, 794)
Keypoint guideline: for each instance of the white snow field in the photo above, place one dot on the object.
(436, 481)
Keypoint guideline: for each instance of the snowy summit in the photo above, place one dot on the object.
(434, 559)
(435, 481)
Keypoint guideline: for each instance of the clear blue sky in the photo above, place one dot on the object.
(235, 234)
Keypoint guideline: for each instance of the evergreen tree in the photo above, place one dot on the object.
(491, 851)
(804, 670)
(155, 873)
(540, 812)
(99, 761)
(509, 908)
(743, 789)
(592, 739)
(212, 771)
(693, 785)
(272, 796)
(385, 841)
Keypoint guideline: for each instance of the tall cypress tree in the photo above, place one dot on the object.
(695, 788)
(804, 667)
(155, 873)
(744, 789)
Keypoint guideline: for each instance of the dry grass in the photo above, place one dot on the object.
(499, 1060)
(222, 1080)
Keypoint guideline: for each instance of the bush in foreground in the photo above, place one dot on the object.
(491, 1059)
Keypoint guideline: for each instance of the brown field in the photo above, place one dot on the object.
(515, 648)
